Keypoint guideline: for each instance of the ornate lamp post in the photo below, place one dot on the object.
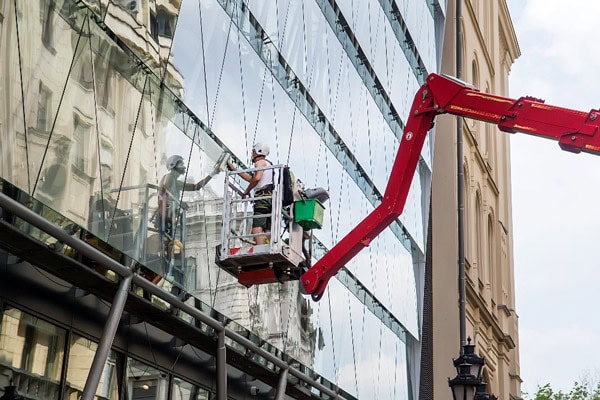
(468, 356)
(468, 368)
(481, 394)
(463, 385)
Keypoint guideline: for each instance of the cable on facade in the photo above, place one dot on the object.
(49, 277)
(274, 115)
(23, 102)
(282, 330)
(281, 32)
(380, 354)
(62, 95)
(289, 151)
(337, 88)
(395, 371)
(305, 45)
(281, 41)
(203, 60)
(212, 119)
(149, 343)
(364, 307)
(169, 54)
(364, 207)
(335, 365)
(260, 98)
(353, 344)
(153, 122)
(243, 92)
(98, 145)
(172, 368)
(131, 141)
(387, 60)
(202, 43)
(273, 89)
(129, 362)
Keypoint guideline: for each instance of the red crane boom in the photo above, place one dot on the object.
(575, 131)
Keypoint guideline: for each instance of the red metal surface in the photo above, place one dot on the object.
(575, 131)
(257, 277)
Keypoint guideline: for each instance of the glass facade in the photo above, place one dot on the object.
(98, 96)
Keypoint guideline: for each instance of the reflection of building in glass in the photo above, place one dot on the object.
(97, 95)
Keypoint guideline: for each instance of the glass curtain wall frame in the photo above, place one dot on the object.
(33, 351)
(137, 128)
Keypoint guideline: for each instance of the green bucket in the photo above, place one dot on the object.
(309, 214)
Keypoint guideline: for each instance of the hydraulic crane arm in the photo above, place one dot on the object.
(575, 131)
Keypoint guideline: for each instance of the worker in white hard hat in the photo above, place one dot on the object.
(170, 188)
(262, 182)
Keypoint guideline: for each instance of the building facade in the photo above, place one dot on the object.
(97, 96)
(489, 48)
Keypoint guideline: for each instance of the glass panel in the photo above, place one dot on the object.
(46, 41)
(187, 56)
(81, 356)
(122, 122)
(356, 350)
(13, 156)
(69, 165)
(182, 390)
(31, 355)
(145, 382)
(134, 166)
(135, 23)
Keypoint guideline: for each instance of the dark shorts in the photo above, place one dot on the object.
(262, 207)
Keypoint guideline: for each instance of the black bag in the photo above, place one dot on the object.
(287, 181)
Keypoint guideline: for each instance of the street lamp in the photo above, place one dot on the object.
(481, 394)
(463, 385)
(471, 358)
(468, 367)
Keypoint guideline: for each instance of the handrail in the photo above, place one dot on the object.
(96, 255)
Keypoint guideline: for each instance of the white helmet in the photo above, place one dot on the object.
(173, 161)
(261, 149)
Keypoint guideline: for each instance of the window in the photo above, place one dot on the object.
(165, 23)
(183, 390)
(86, 76)
(81, 356)
(103, 75)
(44, 105)
(491, 249)
(479, 237)
(28, 350)
(145, 382)
(161, 24)
(467, 210)
(52, 361)
(81, 137)
(475, 73)
(154, 26)
(47, 19)
(106, 165)
(473, 123)
(33, 349)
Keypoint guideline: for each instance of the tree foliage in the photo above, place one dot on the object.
(580, 391)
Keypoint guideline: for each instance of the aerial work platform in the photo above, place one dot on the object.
(285, 255)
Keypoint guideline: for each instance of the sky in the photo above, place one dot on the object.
(555, 198)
